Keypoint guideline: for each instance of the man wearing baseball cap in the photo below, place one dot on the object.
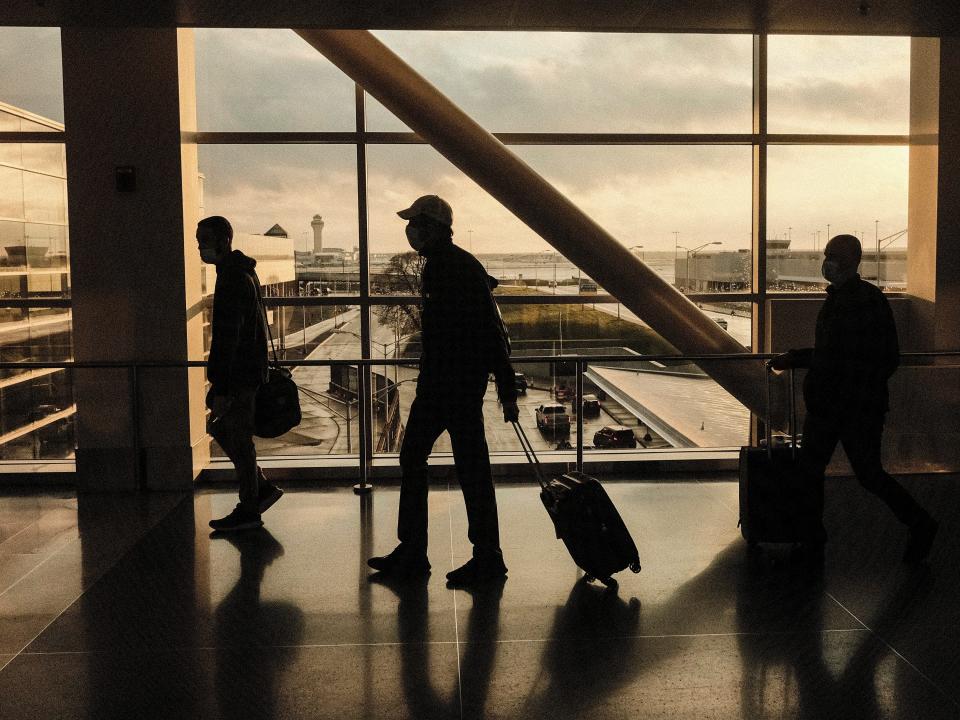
(464, 340)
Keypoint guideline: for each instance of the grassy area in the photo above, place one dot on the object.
(583, 325)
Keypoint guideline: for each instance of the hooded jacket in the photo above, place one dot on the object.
(238, 350)
(462, 332)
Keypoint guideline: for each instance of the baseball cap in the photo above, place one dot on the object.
(431, 206)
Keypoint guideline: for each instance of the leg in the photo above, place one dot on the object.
(820, 438)
(234, 432)
(424, 426)
(861, 438)
(472, 460)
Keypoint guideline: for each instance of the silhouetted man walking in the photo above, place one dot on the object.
(463, 341)
(236, 368)
(855, 353)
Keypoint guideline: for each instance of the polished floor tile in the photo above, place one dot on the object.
(130, 608)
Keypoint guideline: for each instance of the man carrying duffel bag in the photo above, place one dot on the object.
(236, 369)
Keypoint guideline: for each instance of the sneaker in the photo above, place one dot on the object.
(477, 572)
(269, 494)
(239, 519)
(922, 534)
(401, 563)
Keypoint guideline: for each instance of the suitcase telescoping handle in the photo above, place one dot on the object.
(792, 419)
(531, 455)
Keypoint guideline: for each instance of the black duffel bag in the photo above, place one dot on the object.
(277, 407)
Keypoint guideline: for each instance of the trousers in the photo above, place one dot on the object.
(233, 431)
(463, 420)
(861, 437)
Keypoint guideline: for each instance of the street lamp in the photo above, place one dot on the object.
(694, 252)
(640, 248)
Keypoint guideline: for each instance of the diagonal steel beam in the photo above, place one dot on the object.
(537, 203)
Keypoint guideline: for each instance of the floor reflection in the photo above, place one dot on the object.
(586, 666)
(248, 673)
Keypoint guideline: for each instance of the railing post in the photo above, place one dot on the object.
(579, 407)
(135, 411)
(366, 434)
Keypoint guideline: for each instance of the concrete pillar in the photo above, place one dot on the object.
(133, 259)
(933, 260)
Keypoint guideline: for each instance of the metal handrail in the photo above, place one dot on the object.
(580, 361)
(373, 362)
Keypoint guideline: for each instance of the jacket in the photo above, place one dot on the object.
(855, 352)
(463, 336)
(238, 350)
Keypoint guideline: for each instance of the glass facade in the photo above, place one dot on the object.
(37, 410)
(651, 135)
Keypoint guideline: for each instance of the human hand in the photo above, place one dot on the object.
(781, 362)
(219, 405)
(511, 412)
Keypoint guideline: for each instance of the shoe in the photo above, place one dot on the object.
(922, 534)
(239, 519)
(401, 563)
(477, 572)
(268, 496)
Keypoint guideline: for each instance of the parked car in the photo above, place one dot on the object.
(615, 436)
(588, 286)
(521, 382)
(721, 322)
(562, 393)
(591, 406)
(553, 417)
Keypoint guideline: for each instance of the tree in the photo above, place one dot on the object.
(402, 276)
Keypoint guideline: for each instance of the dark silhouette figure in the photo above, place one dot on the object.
(855, 353)
(463, 340)
(236, 368)
(254, 640)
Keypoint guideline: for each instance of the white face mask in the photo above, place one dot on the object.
(415, 238)
(209, 255)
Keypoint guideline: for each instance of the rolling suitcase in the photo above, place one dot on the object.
(586, 520)
(778, 504)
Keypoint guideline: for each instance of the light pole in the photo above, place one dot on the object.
(876, 237)
(676, 246)
(640, 248)
(693, 252)
(470, 235)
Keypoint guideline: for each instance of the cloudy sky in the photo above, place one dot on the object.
(271, 80)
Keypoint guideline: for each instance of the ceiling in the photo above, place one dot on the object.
(850, 17)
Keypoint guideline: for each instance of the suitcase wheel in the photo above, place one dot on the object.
(610, 583)
(589, 578)
(635, 566)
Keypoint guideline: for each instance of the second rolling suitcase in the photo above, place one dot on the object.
(586, 520)
(778, 504)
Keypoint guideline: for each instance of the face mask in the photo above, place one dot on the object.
(834, 273)
(209, 255)
(415, 238)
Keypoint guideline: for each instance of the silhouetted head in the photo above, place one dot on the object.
(841, 258)
(429, 223)
(214, 239)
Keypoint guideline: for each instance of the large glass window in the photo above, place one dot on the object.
(268, 80)
(583, 82)
(816, 192)
(592, 110)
